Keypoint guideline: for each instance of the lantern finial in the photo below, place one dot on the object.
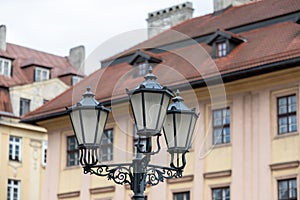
(88, 92)
(150, 76)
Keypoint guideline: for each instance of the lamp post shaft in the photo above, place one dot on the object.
(138, 186)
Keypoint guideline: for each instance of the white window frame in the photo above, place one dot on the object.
(72, 151)
(138, 139)
(5, 67)
(15, 142)
(186, 195)
(44, 153)
(223, 191)
(76, 79)
(24, 102)
(142, 69)
(288, 181)
(11, 186)
(223, 126)
(221, 49)
(286, 111)
(41, 74)
(107, 143)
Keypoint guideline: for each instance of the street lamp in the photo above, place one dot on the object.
(151, 107)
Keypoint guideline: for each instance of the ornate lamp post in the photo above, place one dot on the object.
(151, 108)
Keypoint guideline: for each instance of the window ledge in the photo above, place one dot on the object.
(221, 145)
(15, 163)
(286, 135)
(72, 167)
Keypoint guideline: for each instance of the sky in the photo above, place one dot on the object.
(55, 26)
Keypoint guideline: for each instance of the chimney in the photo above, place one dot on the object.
(161, 20)
(222, 4)
(76, 57)
(3, 37)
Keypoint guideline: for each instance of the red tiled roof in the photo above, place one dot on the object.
(23, 57)
(109, 83)
(232, 17)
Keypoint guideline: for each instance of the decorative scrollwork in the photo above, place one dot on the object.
(119, 174)
(156, 174)
(124, 173)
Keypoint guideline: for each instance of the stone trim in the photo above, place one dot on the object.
(219, 174)
(68, 195)
(183, 179)
(285, 165)
(102, 190)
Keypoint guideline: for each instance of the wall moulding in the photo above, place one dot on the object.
(219, 174)
(285, 165)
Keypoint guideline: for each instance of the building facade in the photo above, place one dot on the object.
(28, 79)
(241, 72)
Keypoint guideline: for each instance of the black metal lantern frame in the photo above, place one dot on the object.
(150, 103)
(178, 130)
(88, 118)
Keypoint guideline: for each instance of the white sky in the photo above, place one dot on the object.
(104, 26)
(55, 26)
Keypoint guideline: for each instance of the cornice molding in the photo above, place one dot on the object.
(218, 174)
(102, 190)
(68, 195)
(183, 179)
(285, 165)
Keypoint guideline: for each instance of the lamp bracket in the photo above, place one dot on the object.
(123, 173)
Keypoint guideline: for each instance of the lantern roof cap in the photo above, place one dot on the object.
(150, 81)
(88, 98)
(178, 105)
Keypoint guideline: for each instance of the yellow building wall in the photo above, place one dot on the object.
(29, 170)
(245, 165)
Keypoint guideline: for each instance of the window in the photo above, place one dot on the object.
(72, 151)
(15, 148)
(221, 193)
(106, 146)
(139, 139)
(41, 74)
(181, 196)
(76, 79)
(287, 189)
(44, 152)
(24, 106)
(141, 68)
(221, 49)
(13, 190)
(5, 67)
(286, 114)
(221, 126)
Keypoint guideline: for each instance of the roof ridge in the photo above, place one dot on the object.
(31, 49)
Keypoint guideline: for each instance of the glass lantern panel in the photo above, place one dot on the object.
(163, 111)
(152, 108)
(75, 119)
(137, 108)
(182, 128)
(169, 131)
(89, 120)
(101, 126)
(192, 130)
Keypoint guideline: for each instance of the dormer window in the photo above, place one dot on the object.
(141, 61)
(5, 67)
(41, 74)
(223, 42)
(221, 49)
(76, 79)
